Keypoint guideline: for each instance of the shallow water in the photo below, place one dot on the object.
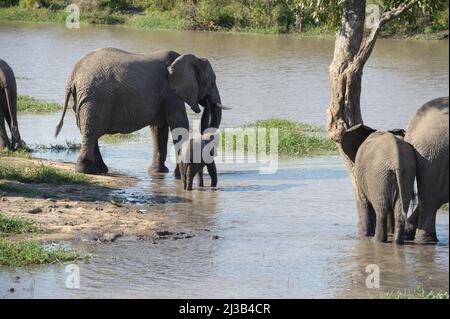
(290, 234)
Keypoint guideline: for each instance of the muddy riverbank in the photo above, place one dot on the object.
(77, 212)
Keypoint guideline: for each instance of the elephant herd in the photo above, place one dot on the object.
(113, 91)
(386, 165)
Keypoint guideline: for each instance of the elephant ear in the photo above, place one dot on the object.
(353, 138)
(184, 80)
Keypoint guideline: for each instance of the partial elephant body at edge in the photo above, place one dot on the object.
(428, 133)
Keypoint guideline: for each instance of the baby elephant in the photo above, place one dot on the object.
(385, 169)
(195, 154)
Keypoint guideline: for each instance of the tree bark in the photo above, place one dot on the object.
(350, 56)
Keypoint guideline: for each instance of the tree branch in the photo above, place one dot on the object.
(366, 49)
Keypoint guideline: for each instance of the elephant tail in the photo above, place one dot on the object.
(405, 190)
(66, 102)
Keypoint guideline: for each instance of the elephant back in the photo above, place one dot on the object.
(428, 130)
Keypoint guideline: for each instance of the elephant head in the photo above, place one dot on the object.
(353, 138)
(194, 80)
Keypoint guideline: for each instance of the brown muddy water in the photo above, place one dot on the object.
(291, 234)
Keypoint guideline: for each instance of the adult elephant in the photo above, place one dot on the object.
(8, 107)
(428, 133)
(115, 91)
(385, 169)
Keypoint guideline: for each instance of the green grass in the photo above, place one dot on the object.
(59, 16)
(9, 225)
(29, 104)
(418, 293)
(445, 207)
(32, 173)
(17, 254)
(259, 17)
(157, 20)
(22, 153)
(24, 253)
(69, 146)
(295, 139)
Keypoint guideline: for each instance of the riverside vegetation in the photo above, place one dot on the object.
(428, 19)
(28, 252)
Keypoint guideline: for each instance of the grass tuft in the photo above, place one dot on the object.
(9, 225)
(29, 104)
(294, 139)
(16, 254)
(69, 146)
(32, 173)
(22, 153)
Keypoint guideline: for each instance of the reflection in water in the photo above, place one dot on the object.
(401, 267)
(289, 234)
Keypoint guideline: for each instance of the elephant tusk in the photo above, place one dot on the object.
(223, 107)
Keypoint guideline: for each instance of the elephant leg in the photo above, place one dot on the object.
(412, 223)
(400, 221)
(176, 172)
(212, 171)
(178, 122)
(86, 159)
(391, 223)
(200, 178)
(160, 136)
(426, 228)
(4, 140)
(381, 226)
(98, 160)
(190, 174)
(366, 216)
(183, 172)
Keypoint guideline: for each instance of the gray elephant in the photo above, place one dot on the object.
(428, 133)
(195, 154)
(8, 107)
(115, 91)
(385, 168)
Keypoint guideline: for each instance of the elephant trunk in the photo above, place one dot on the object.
(211, 117)
(216, 116)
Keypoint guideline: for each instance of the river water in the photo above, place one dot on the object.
(289, 234)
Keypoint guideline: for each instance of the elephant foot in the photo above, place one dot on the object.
(87, 167)
(422, 237)
(410, 232)
(157, 169)
(176, 173)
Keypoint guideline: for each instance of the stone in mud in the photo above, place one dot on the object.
(164, 233)
(111, 237)
(36, 210)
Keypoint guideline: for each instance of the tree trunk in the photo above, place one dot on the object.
(350, 55)
(344, 110)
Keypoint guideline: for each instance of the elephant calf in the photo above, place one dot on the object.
(195, 154)
(385, 168)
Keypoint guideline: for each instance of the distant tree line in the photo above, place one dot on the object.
(279, 15)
